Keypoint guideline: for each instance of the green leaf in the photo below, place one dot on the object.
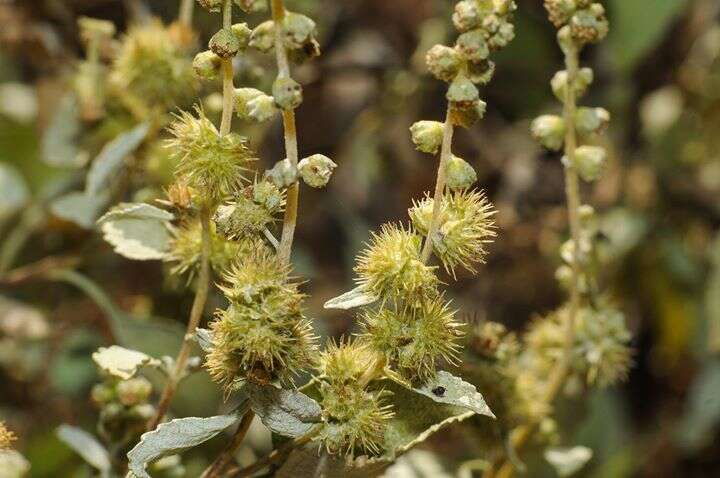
(447, 388)
(121, 362)
(59, 146)
(110, 160)
(701, 419)
(15, 193)
(137, 231)
(85, 445)
(174, 437)
(568, 461)
(80, 208)
(286, 412)
(351, 299)
(13, 464)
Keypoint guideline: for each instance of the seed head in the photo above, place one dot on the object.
(590, 162)
(316, 170)
(133, 391)
(390, 266)
(225, 44)
(427, 136)
(582, 81)
(466, 228)
(342, 364)
(287, 93)
(589, 25)
(283, 174)
(459, 174)
(263, 37)
(589, 121)
(549, 131)
(206, 65)
(444, 62)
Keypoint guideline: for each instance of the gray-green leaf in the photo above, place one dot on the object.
(204, 339)
(568, 461)
(80, 208)
(13, 464)
(286, 412)
(447, 388)
(111, 157)
(173, 437)
(351, 299)
(58, 144)
(121, 362)
(15, 193)
(137, 231)
(85, 445)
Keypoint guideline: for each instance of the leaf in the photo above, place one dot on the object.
(351, 299)
(110, 160)
(174, 437)
(15, 193)
(416, 418)
(700, 421)
(13, 464)
(204, 339)
(137, 230)
(568, 461)
(121, 362)
(447, 388)
(286, 412)
(59, 146)
(85, 445)
(79, 208)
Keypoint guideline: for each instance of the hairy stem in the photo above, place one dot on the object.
(203, 286)
(291, 144)
(227, 74)
(185, 13)
(221, 462)
(572, 191)
(445, 153)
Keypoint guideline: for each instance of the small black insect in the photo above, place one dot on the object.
(439, 391)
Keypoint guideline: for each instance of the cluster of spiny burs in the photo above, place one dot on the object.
(408, 326)
(522, 369)
(11, 461)
(262, 336)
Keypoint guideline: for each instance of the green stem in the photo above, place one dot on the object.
(445, 153)
(203, 287)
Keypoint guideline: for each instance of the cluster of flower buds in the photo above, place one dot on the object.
(583, 21)
(225, 44)
(251, 211)
(299, 37)
(485, 27)
(125, 408)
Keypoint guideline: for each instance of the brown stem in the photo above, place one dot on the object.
(445, 153)
(572, 191)
(222, 461)
(227, 72)
(203, 286)
(273, 456)
(185, 13)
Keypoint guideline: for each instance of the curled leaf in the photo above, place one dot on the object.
(351, 299)
(447, 388)
(137, 231)
(87, 446)
(121, 362)
(110, 160)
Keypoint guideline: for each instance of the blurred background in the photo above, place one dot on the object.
(658, 73)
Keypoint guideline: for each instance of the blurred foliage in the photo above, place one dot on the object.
(660, 213)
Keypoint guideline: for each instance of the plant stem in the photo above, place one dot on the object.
(273, 456)
(203, 286)
(222, 461)
(445, 153)
(227, 72)
(185, 13)
(291, 144)
(572, 191)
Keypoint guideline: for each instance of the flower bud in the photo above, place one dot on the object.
(473, 45)
(91, 28)
(287, 93)
(549, 131)
(225, 44)
(504, 34)
(586, 213)
(102, 394)
(268, 196)
(133, 391)
(582, 81)
(242, 33)
(427, 136)
(589, 25)
(443, 62)
(591, 120)
(263, 37)
(462, 92)
(316, 170)
(590, 162)
(206, 65)
(467, 15)
(481, 72)
(298, 29)
(560, 11)
(143, 411)
(283, 174)
(459, 174)
(566, 41)
(254, 104)
(211, 5)
(252, 6)
(467, 115)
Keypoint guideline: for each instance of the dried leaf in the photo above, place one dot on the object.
(351, 299)
(121, 362)
(447, 388)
